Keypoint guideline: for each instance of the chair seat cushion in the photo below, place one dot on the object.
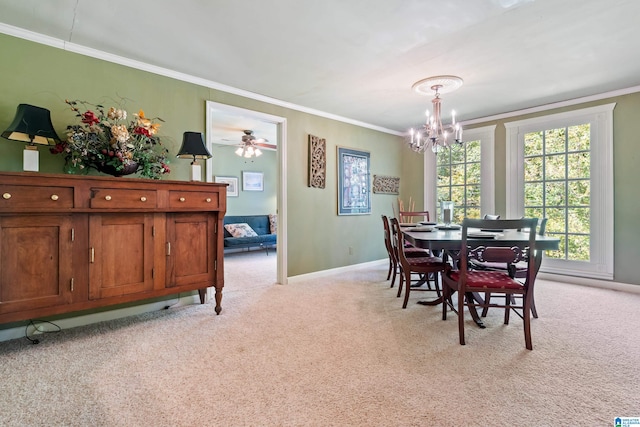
(425, 260)
(412, 252)
(488, 280)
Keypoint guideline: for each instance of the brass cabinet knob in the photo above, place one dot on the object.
(54, 197)
(6, 196)
(208, 200)
(143, 199)
(107, 197)
(182, 199)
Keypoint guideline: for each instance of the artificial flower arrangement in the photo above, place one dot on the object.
(107, 142)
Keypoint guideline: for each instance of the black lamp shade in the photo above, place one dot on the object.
(193, 147)
(33, 125)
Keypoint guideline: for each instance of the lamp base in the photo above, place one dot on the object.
(196, 172)
(30, 159)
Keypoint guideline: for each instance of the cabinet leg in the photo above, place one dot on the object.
(218, 300)
(203, 295)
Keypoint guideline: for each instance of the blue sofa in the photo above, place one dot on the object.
(259, 223)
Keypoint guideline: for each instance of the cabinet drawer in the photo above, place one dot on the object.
(35, 197)
(118, 198)
(202, 200)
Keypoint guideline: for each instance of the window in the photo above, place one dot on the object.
(464, 174)
(459, 179)
(560, 167)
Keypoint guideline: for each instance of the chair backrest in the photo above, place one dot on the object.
(471, 249)
(407, 216)
(397, 242)
(387, 235)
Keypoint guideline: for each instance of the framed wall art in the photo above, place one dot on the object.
(354, 188)
(232, 188)
(317, 161)
(252, 181)
(386, 184)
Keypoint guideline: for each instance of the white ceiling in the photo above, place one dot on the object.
(357, 59)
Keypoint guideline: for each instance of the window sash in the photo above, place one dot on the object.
(486, 136)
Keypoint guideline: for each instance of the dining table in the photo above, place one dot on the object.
(446, 242)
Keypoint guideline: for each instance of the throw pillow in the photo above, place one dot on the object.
(240, 230)
(273, 223)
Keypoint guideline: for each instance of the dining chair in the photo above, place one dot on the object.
(517, 271)
(407, 216)
(394, 264)
(468, 282)
(426, 267)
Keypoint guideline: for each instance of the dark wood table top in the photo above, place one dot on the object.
(451, 239)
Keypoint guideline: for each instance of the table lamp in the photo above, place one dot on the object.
(193, 146)
(32, 125)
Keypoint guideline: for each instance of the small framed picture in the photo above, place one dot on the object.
(232, 188)
(252, 181)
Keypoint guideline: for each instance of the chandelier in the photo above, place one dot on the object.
(433, 133)
(249, 148)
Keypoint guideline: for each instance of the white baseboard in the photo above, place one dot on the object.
(323, 273)
(72, 322)
(595, 283)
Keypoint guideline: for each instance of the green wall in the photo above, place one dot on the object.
(227, 163)
(319, 239)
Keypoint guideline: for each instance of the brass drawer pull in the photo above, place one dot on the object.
(143, 199)
(208, 200)
(107, 197)
(182, 199)
(54, 197)
(6, 196)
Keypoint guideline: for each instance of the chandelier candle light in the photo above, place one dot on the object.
(433, 133)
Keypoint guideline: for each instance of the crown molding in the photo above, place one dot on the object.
(94, 53)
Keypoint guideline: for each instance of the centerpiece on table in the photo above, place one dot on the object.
(107, 142)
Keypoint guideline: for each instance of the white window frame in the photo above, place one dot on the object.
(486, 136)
(600, 118)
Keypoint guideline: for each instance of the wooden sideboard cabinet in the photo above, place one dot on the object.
(71, 243)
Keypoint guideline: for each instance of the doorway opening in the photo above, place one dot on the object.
(225, 126)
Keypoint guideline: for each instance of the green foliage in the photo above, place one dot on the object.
(557, 186)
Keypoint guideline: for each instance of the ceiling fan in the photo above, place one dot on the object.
(249, 146)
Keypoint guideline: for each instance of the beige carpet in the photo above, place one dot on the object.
(335, 351)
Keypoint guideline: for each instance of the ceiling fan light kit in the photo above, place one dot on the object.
(248, 147)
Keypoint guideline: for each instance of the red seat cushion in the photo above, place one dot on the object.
(412, 252)
(424, 260)
(488, 280)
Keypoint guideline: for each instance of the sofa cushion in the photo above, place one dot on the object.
(266, 239)
(273, 223)
(259, 223)
(240, 230)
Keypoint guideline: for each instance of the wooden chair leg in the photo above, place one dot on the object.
(461, 298)
(407, 291)
(527, 326)
(507, 310)
(487, 300)
(400, 283)
(395, 273)
(534, 312)
(390, 269)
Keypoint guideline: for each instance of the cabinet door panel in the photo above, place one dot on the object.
(121, 247)
(35, 262)
(192, 257)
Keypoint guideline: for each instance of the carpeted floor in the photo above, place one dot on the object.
(332, 351)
